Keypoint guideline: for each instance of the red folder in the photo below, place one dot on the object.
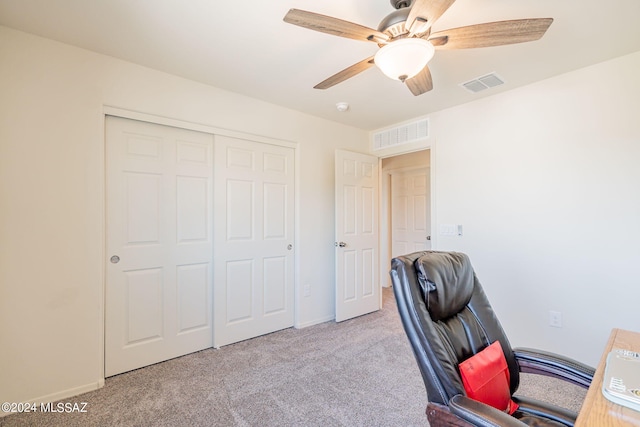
(485, 377)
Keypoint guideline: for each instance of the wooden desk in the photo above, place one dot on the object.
(596, 410)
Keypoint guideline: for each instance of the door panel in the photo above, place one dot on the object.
(159, 225)
(192, 209)
(410, 211)
(144, 305)
(254, 262)
(239, 290)
(143, 207)
(275, 211)
(240, 200)
(275, 280)
(193, 288)
(357, 285)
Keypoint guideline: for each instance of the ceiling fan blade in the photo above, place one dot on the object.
(424, 13)
(345, 74)
(421, 82)
(335, 26)
(491, 34)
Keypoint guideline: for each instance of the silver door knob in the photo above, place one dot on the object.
(115, 259)
(428, 237)
(289, 247)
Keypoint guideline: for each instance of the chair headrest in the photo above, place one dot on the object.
(447, 282)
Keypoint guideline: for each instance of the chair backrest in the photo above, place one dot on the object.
(447, 318)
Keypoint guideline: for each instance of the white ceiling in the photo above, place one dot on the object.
(245, 47)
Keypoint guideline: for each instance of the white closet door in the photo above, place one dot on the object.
(254, 226)
(159, 243)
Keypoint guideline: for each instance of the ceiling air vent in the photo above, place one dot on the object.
(408, 132)
(482, 83)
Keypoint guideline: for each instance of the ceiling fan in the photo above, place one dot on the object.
(405, 36)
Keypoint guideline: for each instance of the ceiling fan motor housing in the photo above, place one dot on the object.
(393, 23)
(399, 4)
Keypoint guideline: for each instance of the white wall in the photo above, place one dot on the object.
(52, 199)
(545, 180)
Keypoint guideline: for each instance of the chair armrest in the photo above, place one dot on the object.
(479, 414)
(535, 407)
(534, 361)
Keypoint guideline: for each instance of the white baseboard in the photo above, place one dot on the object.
(60, 395)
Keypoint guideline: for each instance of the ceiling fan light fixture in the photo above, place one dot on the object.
(404, 58)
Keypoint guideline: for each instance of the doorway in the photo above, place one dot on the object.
(405, 206)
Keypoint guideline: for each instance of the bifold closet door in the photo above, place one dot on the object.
(159, 266)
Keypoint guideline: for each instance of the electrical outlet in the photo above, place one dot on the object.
(555, 319)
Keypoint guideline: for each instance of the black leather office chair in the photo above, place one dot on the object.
(448, 319)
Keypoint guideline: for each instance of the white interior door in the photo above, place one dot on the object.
(357, 284)
(159, 241)
(254, 236)
(410, 211)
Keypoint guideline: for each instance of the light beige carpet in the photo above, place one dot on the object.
(356, 373)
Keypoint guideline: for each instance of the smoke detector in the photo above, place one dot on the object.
(342, 106)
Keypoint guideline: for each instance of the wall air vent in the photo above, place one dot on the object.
(403, 134)
(481, 83)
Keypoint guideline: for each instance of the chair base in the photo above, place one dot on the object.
(439, 416)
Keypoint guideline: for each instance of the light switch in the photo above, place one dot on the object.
(447, 230)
